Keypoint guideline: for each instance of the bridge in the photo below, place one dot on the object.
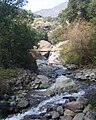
(47, 50)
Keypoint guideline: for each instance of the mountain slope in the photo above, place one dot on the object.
(53, 12)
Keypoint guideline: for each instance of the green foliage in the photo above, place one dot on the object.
(92, 9)
(58, 35)
(16, 36)
(78, 9)
(77, 50)
(92, 101)
(42, 34)
(82, 36)
(92, 46)
(93, 21)
(8, 73)
(24, 16)
(16, 3)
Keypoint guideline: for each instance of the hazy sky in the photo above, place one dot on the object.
(35, 5)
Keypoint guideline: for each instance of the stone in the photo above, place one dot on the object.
(72, 66)
(44, 47)
(68, 112)
(60, 110)
(90, 116)
(12, 103)
(79, 116)
(65, 118)
(92, 76)
(75, 106)
(48, 116)
(41, 78)
(23, 104)
(42, 81)
(55, 115)
(80, 76)
(44, 85)
(62, 83)
(87, 108)
(82, 99)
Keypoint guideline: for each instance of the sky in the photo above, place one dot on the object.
(35, 5)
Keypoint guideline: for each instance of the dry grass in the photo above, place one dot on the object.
(77, 51)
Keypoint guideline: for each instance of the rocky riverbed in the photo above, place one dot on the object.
(55, 93)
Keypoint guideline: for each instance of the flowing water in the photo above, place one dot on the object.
(52, 71)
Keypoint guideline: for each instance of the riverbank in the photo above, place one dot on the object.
(41, 100)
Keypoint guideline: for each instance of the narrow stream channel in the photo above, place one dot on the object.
(52, 71)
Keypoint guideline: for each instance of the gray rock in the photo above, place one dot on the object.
(23, 104)
(80, 76)
(92, 76)
(87, 108)
(42, 82)
(44, 85)
(55, 115)
(62, 83)
(68, 112)
(47, 116)
(60, 110)
(42, 78)
(75, 106)
(44, 46)
(79, 116)
(12, 104)
(82, 99)
(90, 116)
(72, 66)
(65, 118)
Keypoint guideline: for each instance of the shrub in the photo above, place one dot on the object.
(17, 37)
(78, 50)
(58, 35)
(8, 73)
(92, 101)
(5, 76)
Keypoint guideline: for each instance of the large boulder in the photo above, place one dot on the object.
(75, 106)
(62, 83)
(44, 47)
(42, 80)
(55, 54)
(79, 116)
(23, 104)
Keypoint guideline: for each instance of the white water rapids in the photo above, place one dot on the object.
(58, 99)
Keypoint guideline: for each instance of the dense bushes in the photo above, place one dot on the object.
(85, 9)
(15, 41)
(16, 37)
(81, 32)
(58, 35)
(81, 48)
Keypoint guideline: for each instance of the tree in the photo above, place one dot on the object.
(16, 35)
(76, 8)
(15, 3)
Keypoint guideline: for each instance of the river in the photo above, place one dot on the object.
(52, 71)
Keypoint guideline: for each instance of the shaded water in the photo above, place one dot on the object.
(42, 107)
(51, 70)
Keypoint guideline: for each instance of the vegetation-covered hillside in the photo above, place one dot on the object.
(79, 27)
(17, 36)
